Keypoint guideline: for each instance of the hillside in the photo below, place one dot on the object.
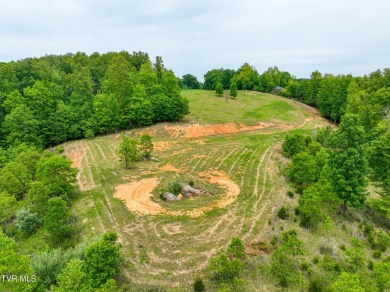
(231, 149)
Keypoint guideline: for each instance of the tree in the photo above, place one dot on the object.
(310, 207)
(57, 219)
(13, 100)
(12, 262)
(26, 220)
(233, 90)
(246, 77)
(302, 171)
(146, 144)
(236, 249)
(347, 164)
(15, 179)
(56, 172)
(295, 143)
(224, 270)
(127, 150)
(102, 260)
(190, 81)
(21, 126)
(72, 277)
(219, 89)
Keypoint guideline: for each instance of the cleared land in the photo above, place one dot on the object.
(238, 166)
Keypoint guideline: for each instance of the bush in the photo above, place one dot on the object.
(198, 285)
(236, 249)
(163, 198)
(377, 254)
(290, 194)
(175, 187)
(60, 149)
(26, 220)
(225, 270)
(283, 213)
(89, 134)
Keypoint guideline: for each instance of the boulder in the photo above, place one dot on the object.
(188, 191)
(170, 197)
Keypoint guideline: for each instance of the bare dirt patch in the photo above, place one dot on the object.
(76, 153)
(170, 167)
(163, 145)
(137, 196)
(197, 130)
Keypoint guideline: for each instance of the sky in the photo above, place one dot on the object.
(193, 37)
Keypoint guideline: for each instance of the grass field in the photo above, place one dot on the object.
(169, 251)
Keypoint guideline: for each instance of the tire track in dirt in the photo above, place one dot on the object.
(260, 212)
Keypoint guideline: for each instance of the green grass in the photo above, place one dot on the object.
(249, 107)
(169, 251)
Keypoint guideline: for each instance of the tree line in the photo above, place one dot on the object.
(48, 100)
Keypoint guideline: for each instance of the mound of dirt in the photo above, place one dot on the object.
(137, 196)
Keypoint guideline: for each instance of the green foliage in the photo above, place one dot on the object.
(224, 270)
(72, 277)
(15, 179)
(49, 264)
(190, 81)
(146, 144)
(347, 283)
(245, 77)
(219, 89)
(302, 171)
(175, 187)
(295, 143)
(285, 260)
(236, 249)
(26, 220)
(355, 255)
(233, 90)
(310, 207)
(89, 134)
(283, 213)
(127, 150)
(57, 220)
(102, 260)
(347, 164)
(381, 272)
(12, 262)
(198, 285)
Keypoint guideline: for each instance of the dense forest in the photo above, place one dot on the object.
(49, 100)
(44, 102)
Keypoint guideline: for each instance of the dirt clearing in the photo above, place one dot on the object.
(137, 196)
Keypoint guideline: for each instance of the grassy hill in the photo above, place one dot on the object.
(221, 147)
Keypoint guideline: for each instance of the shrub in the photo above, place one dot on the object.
(290, 194)
(198, 285)
(89, 134)
(377, 254)
(26, 220)
(283, 213)
(236, 249)
(60, 149)
(163, 198)
(316, 260)
(223, 269)
(175, 187)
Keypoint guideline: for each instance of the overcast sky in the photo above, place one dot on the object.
(299, 36)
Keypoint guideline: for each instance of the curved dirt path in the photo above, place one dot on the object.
(137, 196)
